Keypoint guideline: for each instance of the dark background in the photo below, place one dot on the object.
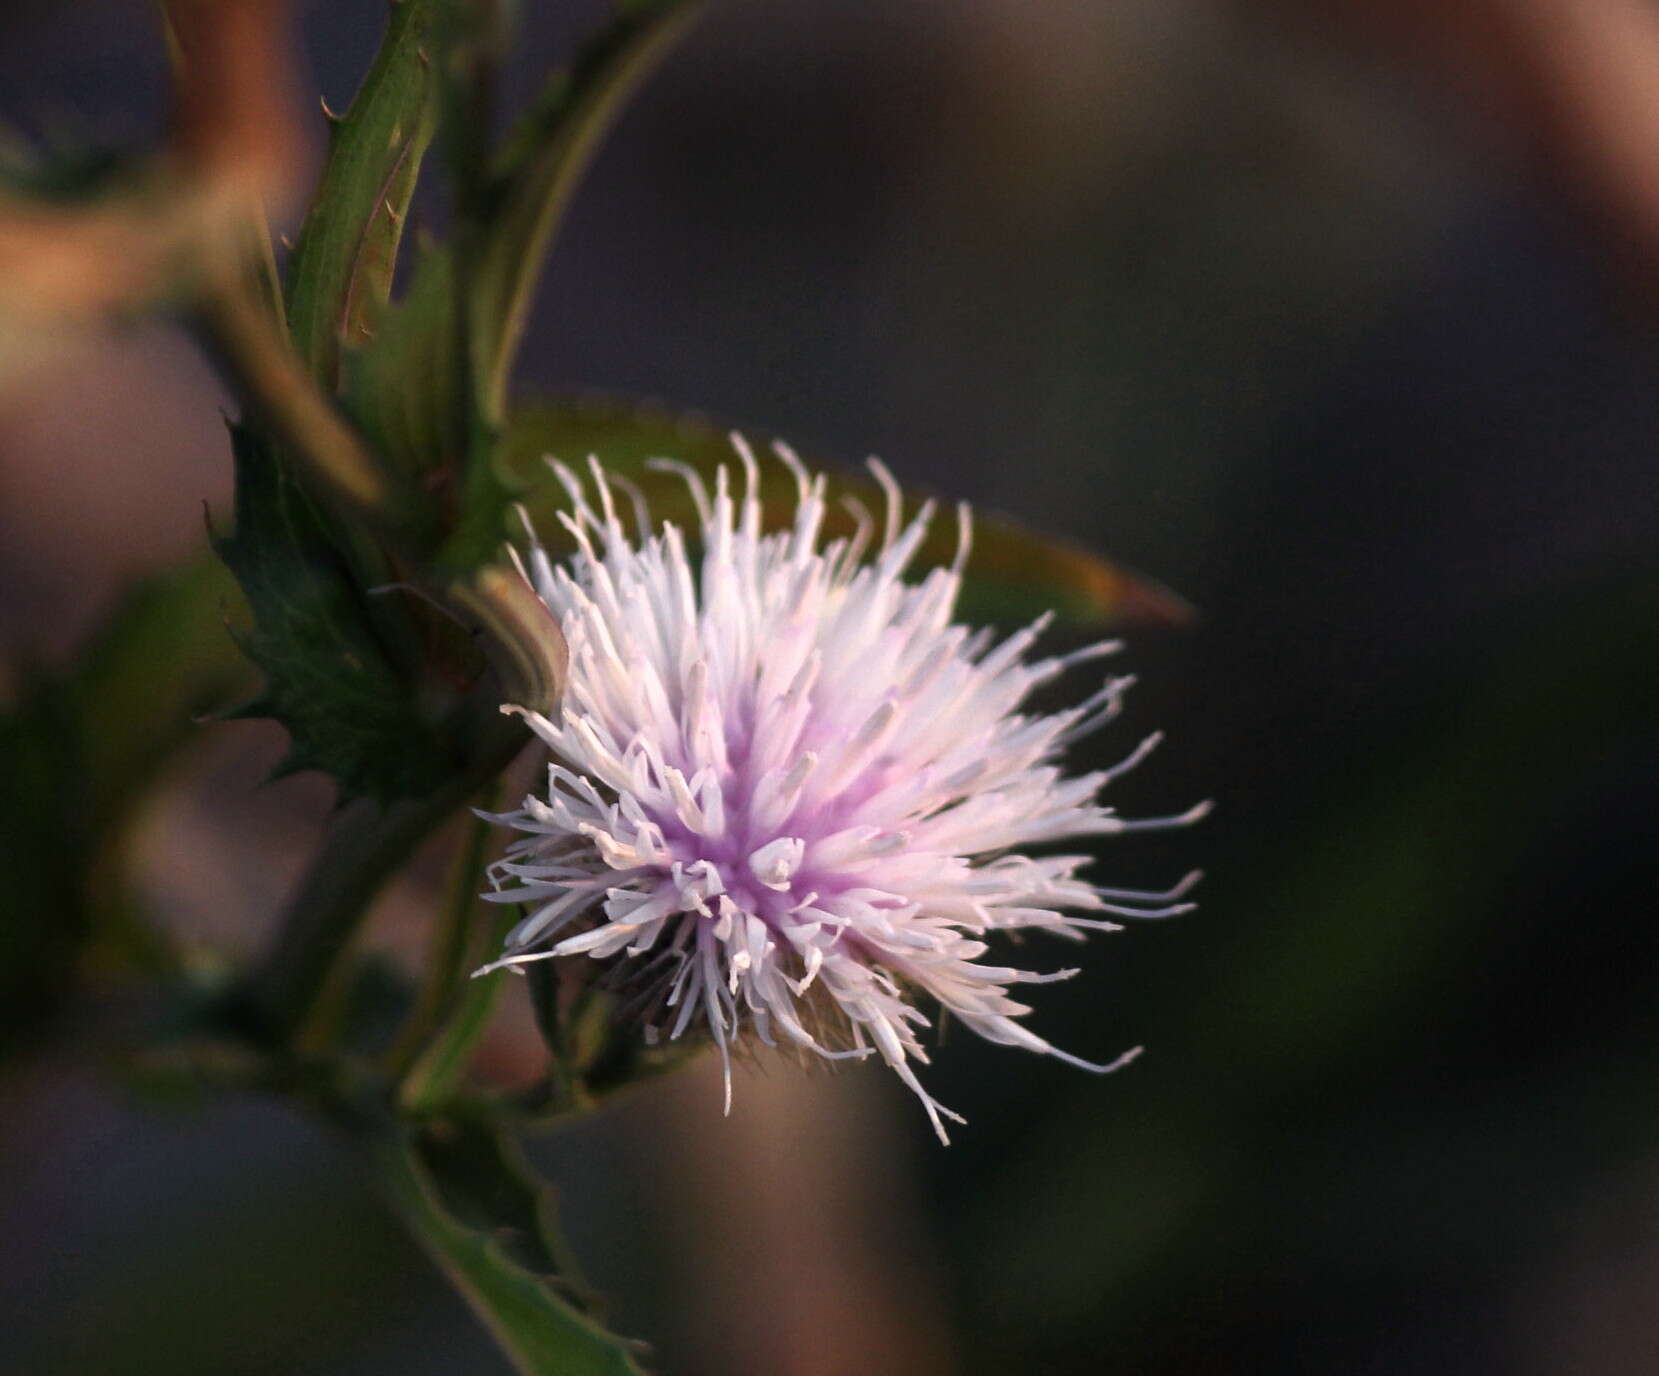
(1270, 310)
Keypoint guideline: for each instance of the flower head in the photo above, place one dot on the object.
(790, 793)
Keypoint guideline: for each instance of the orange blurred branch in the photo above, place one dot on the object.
(231, 151)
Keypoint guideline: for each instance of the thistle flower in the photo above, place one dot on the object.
(788, 794)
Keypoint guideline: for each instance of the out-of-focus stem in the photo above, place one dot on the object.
(446, 964)
(364, 847)
(325, 450)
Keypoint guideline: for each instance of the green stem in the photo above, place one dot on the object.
(364, 846)
(449, 957)
(434, 1081)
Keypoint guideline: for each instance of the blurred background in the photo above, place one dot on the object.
(1343, 321)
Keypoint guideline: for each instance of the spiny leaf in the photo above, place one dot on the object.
(1013, 574)
(345, 695)
(472, 1202)
(340, 272)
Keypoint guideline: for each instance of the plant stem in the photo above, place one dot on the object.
(434, 1081)
(449, 953)
(364, 846)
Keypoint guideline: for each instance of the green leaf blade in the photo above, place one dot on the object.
(81, 750)
(1013, 574)
(472, 1202)
(403, 387)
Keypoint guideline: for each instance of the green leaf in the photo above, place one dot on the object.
(141, 685)
(538, 169)
(466, 1193)
(403, 387)
(349, 696)
(79, 750)
(1013, 574)
(340, 272)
